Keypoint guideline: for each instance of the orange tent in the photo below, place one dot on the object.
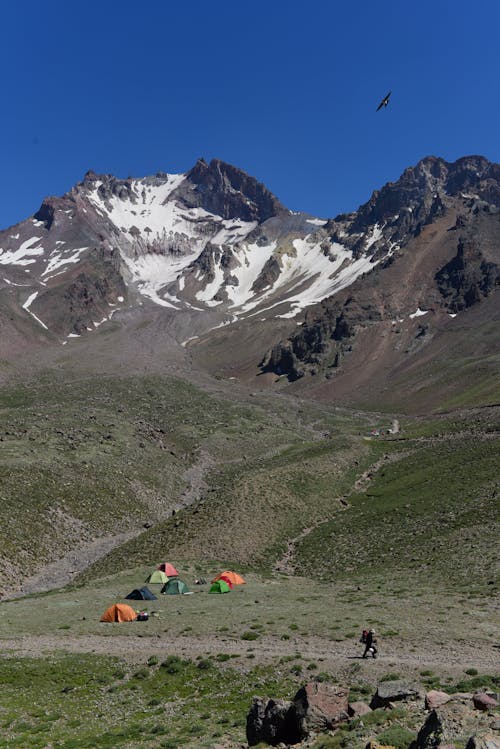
(231, 577)
(119, 612)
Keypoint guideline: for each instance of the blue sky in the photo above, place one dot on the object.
(286, 90)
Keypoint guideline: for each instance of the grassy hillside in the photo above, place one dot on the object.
(85, 458)
(431, 515)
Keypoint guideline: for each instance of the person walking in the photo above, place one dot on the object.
(370, 647)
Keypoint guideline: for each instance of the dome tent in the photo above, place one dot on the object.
(175, 586)
(231, 577)
(219, 586)
(142, 594)
(168, 569)
(119, 612)
(157, 577)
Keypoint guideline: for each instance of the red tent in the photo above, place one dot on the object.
(168, 569)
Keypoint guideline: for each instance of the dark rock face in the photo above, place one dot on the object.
(228, 192)
(386, 227)
(315, 707)
(323, 338)
(468, 277)
(85, 298)
(268, 275)
(272, 721)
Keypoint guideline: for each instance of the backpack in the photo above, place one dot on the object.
(364, 635)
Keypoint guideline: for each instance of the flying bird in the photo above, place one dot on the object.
(385, 101)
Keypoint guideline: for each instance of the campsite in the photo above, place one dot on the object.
(334, 560)
(268, 637)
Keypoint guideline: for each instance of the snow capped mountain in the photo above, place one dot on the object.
(211, 239)
(241, 280)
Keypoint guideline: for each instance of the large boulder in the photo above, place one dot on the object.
(272, 721)
(483, 701)
(392, 691)
(435, 699)
(452, 723)
(357, 709)
(320, 707)
(316, 707)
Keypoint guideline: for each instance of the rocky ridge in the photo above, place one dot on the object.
(465, 198)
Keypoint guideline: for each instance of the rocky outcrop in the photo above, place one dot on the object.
(323, 339)
(468, 277)
(484, 741)
(273, 722)
(268, 275)
(320, 707)
(385, 228)
(435, 731)
(316, 707)
(451, 723)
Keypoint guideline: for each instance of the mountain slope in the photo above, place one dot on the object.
(432, 303)
(208, 270)
(213, 239)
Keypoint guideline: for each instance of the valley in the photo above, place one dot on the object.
(191, 372)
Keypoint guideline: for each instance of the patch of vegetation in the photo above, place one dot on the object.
(36, 712)
(397, 736)
(441, 494)
(484, 681)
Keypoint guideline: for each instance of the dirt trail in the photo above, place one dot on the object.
(285, 564)
(333, 656)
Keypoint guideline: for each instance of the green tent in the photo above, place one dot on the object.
(157, 577)
(219, 586)
(174, 587)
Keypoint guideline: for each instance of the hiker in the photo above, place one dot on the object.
(370, 648)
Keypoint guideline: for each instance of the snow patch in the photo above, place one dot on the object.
(23, 255)
(317, 221)
(418, 313)
(29, 301)
(193, 338)
(58, 259)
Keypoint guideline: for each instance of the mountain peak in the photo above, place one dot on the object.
(229, 192)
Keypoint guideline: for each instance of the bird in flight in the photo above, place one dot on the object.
(385, 101)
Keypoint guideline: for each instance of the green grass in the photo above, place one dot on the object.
(88, 701)
(93, 456)
(442, 494)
